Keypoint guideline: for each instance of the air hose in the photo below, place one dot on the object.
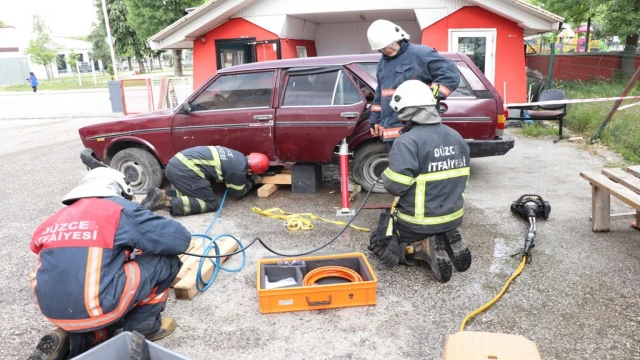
(257, 239)
(330, 271)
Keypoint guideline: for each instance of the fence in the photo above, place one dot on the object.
(149, 94)
(596, 75)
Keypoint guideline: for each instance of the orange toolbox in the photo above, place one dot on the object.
(315, 282)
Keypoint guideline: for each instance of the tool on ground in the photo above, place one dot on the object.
(344, 180)
(257, 239)
(299, 221)
(529, 207)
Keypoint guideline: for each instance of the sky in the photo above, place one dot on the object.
(64, 17)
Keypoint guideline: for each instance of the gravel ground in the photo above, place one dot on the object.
(577, 300)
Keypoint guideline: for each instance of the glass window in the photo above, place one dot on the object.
(322, 89)
(370, 68)
(236, 91)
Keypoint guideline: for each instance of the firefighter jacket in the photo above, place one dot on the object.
(84, 279)
(411, 62)
(219, 164)
(429, 171)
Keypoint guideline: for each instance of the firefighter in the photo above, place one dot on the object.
(105, 263)
(428, 173)
(401, 60)
(193, 171)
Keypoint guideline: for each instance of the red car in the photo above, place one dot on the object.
(293, 110)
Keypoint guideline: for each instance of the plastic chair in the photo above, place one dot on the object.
(551, 112)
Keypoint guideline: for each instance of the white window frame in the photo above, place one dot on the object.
(492, 39)
(303, 50)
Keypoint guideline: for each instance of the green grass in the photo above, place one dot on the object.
(622, 133)
(538, 130)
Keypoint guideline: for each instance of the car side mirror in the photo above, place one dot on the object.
(186, 107)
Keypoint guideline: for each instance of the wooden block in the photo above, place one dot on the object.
(600, 209)
(183, 257)
(281, 179)
(635, 170)
(627, 196)
(266, 190)
(189, 262)
(636, 223)
(624, 178)
(186, 288)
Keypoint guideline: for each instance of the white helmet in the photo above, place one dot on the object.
(100, 182)
(383, 33)
(412, 93)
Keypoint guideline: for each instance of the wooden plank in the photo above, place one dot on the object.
(183, 257)
(266, 190)
(280, 179)
(624, 178)
(625, 216)
(600, 209)
(186, 288)
(636, 224)
(189, 263)
(627, 196)
(634, 170)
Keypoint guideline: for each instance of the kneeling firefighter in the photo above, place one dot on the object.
(428, 173)
(193, 171)
(105, 263)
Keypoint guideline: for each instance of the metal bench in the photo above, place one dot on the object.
(624, 185)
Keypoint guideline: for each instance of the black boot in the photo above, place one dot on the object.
(53, 346)
(159, 201)
(458, 252)
(432, 250)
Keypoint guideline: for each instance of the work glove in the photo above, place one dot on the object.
(377, 244)
(393, 253)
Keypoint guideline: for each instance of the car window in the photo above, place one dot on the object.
(320, 89)
(463, 89)
(235, 91)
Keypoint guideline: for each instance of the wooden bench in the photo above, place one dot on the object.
(624, 185)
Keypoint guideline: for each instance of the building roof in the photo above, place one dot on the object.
(211, 14)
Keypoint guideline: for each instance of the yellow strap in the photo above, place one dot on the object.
(235, 187)
(435, 220)
(299, 221)
(397, 177)
(216, 162)
(203, 206)
(186, 205)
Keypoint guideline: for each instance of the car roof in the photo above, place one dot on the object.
(316, 61)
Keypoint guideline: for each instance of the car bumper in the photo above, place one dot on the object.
(484, 148)
(89, 158)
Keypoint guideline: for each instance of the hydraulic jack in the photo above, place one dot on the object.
(345, 209)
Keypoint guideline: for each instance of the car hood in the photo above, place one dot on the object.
(156, 121)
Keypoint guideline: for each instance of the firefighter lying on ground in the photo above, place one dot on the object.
(401, 61)
(193, 171)
(428, 173)
(87, 283)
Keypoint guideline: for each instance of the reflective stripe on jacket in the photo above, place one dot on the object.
(412, 62)
(84, 279)
(218, 164)
(429, 171)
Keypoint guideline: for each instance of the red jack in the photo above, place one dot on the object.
(344, 180)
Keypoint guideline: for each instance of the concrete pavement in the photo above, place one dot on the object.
(578, 299)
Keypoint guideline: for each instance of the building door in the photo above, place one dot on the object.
(479, 45)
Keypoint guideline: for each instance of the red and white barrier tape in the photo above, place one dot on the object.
(572, 101)
(628, 106)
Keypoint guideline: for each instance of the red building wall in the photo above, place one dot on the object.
(510, 59)
(204, 54)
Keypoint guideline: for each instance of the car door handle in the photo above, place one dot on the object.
(349, 114)
(262, 117)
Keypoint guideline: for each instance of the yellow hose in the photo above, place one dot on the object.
(497, 297)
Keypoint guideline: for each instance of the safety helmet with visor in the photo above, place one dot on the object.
(383, 33)
(100, 182)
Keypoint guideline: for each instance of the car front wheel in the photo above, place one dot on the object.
(369, 161)
(140, 167)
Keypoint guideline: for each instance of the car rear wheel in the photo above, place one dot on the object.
(369, 162)
(140, 167)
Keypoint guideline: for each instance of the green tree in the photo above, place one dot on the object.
(616, 17)
(127, 41)
(73, 60)
(149, 17)
(2, 24)
(42, 50)
(98, 44)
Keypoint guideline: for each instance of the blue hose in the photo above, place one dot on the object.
(211, 244)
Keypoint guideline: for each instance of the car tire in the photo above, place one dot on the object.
(369, 161)
(140, 167)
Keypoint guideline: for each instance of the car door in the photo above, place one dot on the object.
(318, 108)
(233, 111)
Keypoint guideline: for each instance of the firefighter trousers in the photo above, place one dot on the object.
(156, 274)
(193, 194)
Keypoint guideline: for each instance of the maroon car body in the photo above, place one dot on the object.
(294, 110)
